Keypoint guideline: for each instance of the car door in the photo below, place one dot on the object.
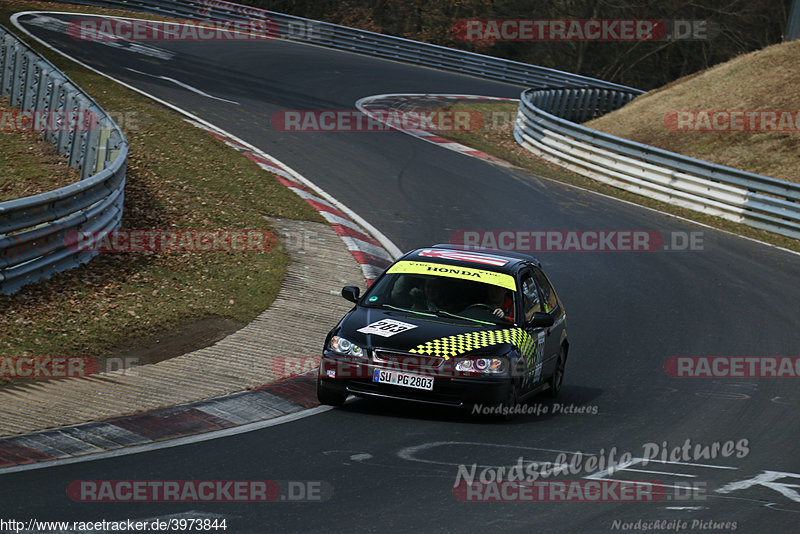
(534, 350)
(553, 334)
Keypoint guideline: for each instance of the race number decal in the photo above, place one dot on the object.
(537, 373)
(540, 346)
(386, 327)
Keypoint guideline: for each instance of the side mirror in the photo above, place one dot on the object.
(541, 320)
(351, 293)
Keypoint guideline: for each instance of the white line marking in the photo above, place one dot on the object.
(409, 453)
(689, 463)
(60, 26)
(184, 85)
(662, 473)
(207, 436)
(623, 466)
(643, 483)
(769, 480)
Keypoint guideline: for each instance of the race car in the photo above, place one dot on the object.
(450, 326)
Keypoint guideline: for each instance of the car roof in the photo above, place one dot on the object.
(503, 261)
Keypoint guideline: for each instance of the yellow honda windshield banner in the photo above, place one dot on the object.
(452, 271)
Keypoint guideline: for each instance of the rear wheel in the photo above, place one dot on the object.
(328, 397)
(558, 374)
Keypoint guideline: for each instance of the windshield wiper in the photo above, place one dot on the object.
(442, 313)
(406, 310)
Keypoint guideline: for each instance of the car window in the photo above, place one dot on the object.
(548, 293)
(530, 296)
(431, 293)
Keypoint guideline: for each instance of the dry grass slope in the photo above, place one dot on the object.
(765, 80)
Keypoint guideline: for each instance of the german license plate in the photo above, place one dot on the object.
(396, 378)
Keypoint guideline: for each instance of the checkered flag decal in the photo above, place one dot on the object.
(448, 347)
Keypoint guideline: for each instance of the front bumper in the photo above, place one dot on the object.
(346, 375)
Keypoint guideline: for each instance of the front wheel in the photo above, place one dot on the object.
(509, 408)
(328, 397)
(558, 374)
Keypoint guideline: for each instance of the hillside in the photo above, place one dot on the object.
(764, 81)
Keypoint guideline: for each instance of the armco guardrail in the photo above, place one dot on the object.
(34, 231)
(544, 126)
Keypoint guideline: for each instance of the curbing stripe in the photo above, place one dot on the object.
(366, 250)
(182, 421)
(97, 434)
(242, 409)
(13, 454)
(278, 399)
(332, 214)
(355, 234)
(391, 102)
(336, 220)
(41, 443)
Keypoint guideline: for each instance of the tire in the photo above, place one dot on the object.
(512, 399)
(558, 374)
(328, 397)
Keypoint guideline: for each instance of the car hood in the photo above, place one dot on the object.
(421, 334)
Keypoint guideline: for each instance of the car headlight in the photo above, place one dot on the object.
(482, 365)
(345, 347)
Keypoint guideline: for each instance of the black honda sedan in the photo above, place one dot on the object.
(450, 326)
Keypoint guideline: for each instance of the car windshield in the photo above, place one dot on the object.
(442, 295)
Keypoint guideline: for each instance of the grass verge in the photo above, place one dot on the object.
(179, 177)
(30, 165)
(762, 83)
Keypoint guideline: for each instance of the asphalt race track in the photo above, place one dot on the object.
(392, 467)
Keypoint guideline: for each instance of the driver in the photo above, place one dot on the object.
(500, 299)
(432, 296)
